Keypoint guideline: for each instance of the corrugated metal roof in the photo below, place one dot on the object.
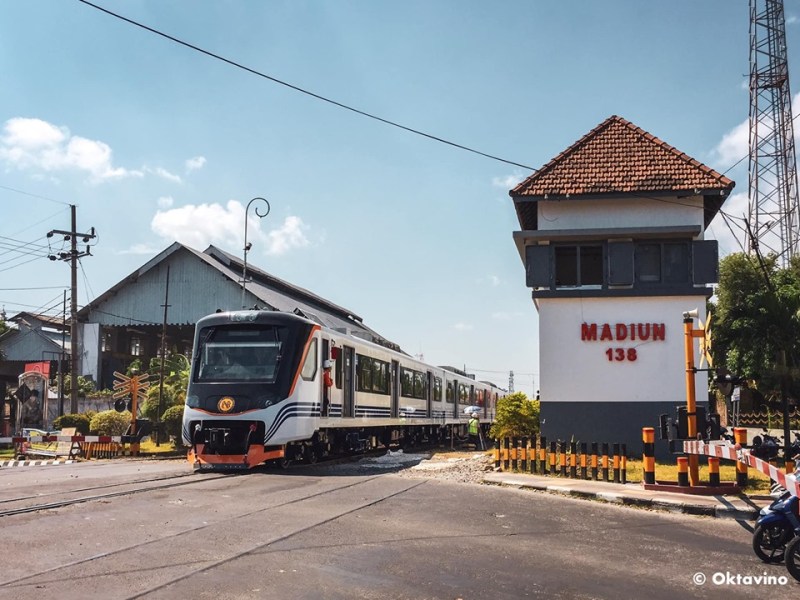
(139, 297)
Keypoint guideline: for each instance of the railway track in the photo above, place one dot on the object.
(297, 498)
(20, 505)
(23, 504)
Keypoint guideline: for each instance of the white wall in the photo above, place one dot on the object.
(90, 351)
(574, 370)
(600, 214)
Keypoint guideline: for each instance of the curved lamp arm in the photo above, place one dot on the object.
(246, 245)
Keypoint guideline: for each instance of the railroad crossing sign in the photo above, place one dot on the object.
(134, 386)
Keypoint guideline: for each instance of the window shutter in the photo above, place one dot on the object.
(620, 263)
(705, 262)
(537, 266)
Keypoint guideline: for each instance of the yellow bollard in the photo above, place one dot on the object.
(713, 471)
(649, 460)
(683, 471)
(740, 437)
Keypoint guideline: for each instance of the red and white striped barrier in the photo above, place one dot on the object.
(742, 455)
(61, 438)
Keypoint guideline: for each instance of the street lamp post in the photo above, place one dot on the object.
(246, 245)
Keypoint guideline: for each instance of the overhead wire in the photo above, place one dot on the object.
(303, 90)
(345, 106)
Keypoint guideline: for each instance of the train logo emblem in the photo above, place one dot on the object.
(225, 404)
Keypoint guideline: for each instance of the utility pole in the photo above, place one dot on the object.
(72, 256)
(61, 356)
(163, 356)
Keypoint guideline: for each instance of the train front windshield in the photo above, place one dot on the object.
(241, 353)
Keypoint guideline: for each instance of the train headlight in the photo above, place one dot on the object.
(193, 401)
(239, 316)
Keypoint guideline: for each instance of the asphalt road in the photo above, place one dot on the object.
(339, 534)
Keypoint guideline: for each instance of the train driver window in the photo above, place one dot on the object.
(310, 365)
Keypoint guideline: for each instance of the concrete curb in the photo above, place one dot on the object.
(717, 507)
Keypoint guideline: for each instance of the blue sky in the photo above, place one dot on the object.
(155, 142)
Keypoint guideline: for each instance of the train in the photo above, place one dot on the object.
(257, 393)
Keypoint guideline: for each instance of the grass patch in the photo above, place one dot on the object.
(149, 446)
(757, 483)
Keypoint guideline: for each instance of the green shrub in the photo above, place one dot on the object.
(150, 407)
(80, 422)
(110, 422)
(517, 416)
(172, 420)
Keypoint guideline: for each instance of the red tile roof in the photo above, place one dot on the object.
(617, 157)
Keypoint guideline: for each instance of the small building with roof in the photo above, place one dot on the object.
(33, 338)
(612, 240)
(125, 322)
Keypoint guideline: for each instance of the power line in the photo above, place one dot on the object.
(20, 264)
(24, 193)
(26, 289)
(304, 91)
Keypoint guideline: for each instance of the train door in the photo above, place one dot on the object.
(325, 356)
(456, 398)
(395, 389)
(429, 409)
(349, 387)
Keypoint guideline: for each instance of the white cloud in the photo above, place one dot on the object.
(162, 172)
(37, 144)
(492, 280)
(791, 20)
(195, 163)
(509, 181)
(463, 327)
(289, 235)
(506, 316)
(204, 224)
(200, 225)
(730, 238)
(165, 202)
(735, 144)
(141, 249)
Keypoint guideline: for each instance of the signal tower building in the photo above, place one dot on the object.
(612, 240)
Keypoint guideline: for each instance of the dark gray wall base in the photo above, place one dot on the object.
(612, 422)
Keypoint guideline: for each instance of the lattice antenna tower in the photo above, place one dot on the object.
(773, 209)
(511, 382)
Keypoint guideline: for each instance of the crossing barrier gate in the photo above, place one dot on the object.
(743, 457)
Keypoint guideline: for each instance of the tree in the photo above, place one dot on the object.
(756, 325)
(86, 386)
(176, 380)
(516, 416)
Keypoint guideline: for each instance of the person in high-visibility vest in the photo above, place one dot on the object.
(473, 428)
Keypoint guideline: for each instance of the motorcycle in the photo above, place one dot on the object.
(765, 446)
(777, 526)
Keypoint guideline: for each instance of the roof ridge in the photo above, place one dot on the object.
(649, 157)
(672, 149)
(561, 156)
